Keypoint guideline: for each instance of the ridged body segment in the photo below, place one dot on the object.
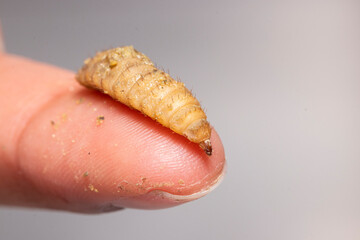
(131, 78)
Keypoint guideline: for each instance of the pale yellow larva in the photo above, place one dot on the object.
(131, 78)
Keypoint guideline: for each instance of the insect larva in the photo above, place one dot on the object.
(131, 78)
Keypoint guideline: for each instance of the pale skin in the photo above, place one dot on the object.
(57, 152)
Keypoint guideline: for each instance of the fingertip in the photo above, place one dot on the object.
(79, 150)
(94, 150)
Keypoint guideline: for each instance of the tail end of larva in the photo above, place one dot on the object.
(206, 146)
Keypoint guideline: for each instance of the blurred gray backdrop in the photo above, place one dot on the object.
(280, 81)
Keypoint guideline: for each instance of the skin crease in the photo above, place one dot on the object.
(55, 151)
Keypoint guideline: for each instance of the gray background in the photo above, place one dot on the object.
(280, 81)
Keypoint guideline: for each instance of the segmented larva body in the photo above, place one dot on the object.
(131, 78)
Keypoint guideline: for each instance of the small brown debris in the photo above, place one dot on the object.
(100, 120)
(53, 124)
(86, 174)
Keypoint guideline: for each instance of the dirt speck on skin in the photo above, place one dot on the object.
(122, 186)
(92, 188)
(54, 125)
(100, 120)
(86, 174)
(181, 182)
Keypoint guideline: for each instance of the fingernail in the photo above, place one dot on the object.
(158, 199)
(186, 198)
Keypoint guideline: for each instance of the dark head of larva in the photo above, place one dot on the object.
(206, 146)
